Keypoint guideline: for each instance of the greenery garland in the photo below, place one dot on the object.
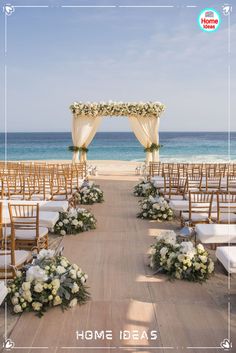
(78, 149)
(153, 147)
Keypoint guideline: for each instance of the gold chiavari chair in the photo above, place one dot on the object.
(10, 258)
(200, 206)
(25, 227)
(226, 208)
(211, 182)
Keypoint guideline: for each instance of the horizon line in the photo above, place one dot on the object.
(56, 132)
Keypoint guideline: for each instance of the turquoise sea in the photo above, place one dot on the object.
(177, 146)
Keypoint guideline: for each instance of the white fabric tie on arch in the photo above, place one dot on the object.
(84, 129)
(146, 131)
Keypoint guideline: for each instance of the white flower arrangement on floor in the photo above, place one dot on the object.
(87, 194)
(181, 260)
(156, 208)
(145, 188)
(74, 221)
(51, 280)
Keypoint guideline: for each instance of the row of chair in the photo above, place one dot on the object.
(40, 181)
(194, 169)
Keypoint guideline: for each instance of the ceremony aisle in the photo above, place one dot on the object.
(124, 295)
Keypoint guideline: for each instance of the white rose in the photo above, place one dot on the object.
(181, 257)
(200, 248)
(197, 266)
(38, 288)
(79, 274)
(14, 300)
(64, 263)
(17, 309)
(26, 286)
(37, 306)
(73, 303)
(57, 300)
(65, 221)
(145, 206)
(63, 232)
(60, 224)
(75, 222)
(56, 283)
(60, 270)
(203, 259)
(27, 296)
(76, 267)
(75, 288)
(73, 274)
(45, 254)
(163, 251)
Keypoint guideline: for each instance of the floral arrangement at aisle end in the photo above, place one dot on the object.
(74, 221)
(94, 110)
(145, 188)
(87, 194)
(156, 208)
(181, 260)
(51, 280)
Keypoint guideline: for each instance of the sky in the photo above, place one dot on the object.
(59, 55)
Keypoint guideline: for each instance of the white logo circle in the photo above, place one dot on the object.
(209, 20)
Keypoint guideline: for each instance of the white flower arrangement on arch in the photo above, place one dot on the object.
(144, 109)
(51, 280)
(155, 208)
(180, 260)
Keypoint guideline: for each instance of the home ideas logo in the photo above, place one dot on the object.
(209, 20)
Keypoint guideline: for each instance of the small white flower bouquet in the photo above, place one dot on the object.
(181, 260)
(145, 188)
(51, 280)
(156, 208)
(87, 194)
(74, 221)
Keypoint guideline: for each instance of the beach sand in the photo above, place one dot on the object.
(125, 295)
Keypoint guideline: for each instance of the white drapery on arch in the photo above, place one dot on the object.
(84, 129)
(146, 131)
(144, 119)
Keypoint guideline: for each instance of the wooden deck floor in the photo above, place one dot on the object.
(124, 294)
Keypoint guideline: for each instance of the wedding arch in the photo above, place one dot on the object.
(144, 119)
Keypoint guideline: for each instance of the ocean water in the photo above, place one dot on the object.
(177, 146)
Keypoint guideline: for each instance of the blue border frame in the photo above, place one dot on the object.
(209, 9)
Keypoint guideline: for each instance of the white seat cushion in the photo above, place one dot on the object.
(226, 218)
(196, 217)
(227, 256)
(40, 197)
(179, 205)
(21, 256)
(53, 206)
(216, 233)
(173, 197)
(48, 219)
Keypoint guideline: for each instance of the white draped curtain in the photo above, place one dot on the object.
(84, 129)
(146, 131)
